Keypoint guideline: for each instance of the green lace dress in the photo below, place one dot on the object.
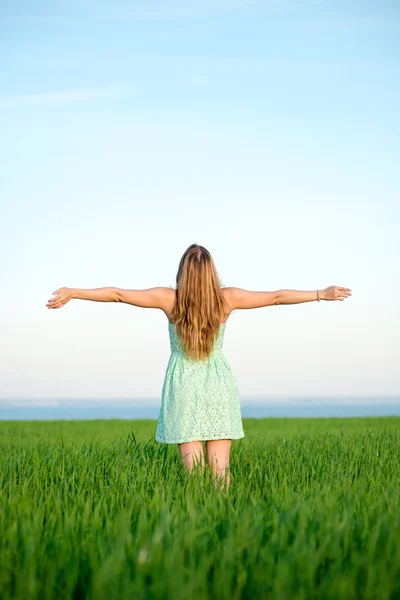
(200, 399)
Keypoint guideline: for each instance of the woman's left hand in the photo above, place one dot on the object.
(63, 295)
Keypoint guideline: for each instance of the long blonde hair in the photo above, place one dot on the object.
(199, 303)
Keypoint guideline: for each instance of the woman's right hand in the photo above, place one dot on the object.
(335, 292)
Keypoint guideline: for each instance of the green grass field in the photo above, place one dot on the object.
(98, 509)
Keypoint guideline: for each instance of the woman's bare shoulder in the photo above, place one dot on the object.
(228, 293)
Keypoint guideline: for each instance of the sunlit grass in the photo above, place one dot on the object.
(98, 509)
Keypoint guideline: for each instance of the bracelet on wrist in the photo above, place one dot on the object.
(318, 295)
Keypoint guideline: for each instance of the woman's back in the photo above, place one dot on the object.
(176, 345)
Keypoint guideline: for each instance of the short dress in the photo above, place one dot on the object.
(200, 398)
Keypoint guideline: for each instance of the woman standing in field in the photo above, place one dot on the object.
(200, 399)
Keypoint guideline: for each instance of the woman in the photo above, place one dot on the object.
(200, 399)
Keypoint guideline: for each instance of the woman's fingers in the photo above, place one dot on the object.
(55, 305)
(60, 298)
(342, 293)
(53, 302)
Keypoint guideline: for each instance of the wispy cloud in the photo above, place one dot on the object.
(151, 10)
(56, 97)
(181, 9)
(35, 19)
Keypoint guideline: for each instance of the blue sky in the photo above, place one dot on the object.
(266, 131)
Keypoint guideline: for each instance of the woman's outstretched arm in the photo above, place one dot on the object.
(240, 298)
(157, 297)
